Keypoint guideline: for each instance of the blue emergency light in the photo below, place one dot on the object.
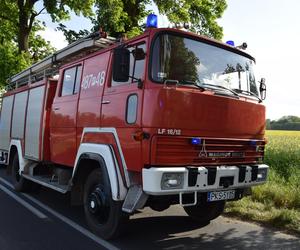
(151, 21)
(196, 141)
(230, 42)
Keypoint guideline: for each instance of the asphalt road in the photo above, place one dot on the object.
(47, 221)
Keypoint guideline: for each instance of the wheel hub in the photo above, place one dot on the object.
(93, 204)
(97, 202)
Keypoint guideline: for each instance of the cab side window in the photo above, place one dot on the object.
(137, 67)
(71, 81)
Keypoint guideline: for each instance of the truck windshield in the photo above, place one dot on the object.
(186, 60)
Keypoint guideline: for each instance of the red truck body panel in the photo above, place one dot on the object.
(159, 108)
(167, 117)
(175, 111)
(210, 115)
(63, 130)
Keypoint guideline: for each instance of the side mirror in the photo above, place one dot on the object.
(263, 88)
(139, 54)
(121, 64)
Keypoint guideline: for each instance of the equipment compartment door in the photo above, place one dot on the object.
(63, 116)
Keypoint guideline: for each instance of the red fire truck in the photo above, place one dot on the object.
(168, 117)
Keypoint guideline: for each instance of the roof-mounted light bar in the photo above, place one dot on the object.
(151, 21)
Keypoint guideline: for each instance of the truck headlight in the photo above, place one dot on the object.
(172, 181)
(262, 174)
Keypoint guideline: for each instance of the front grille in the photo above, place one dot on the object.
(168, 150)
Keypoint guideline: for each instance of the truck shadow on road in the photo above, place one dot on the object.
(181, 232)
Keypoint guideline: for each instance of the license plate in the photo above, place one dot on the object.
(221, 195)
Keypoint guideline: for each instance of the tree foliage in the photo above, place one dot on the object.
(284, 123)
(20, 44)
(201, 14)
(11, 61)
(121, 16)
(127, 16)
(22, 15)
(72, 35)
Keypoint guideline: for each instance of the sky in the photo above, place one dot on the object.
(271, 28)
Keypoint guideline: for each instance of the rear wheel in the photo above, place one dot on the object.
(20, 184)
(205, 211)
(104, 215)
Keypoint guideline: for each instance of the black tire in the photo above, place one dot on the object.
(205, 211)
(20, 184)
(104, 216)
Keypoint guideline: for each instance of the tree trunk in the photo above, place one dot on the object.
(23, 38)
(25, 23)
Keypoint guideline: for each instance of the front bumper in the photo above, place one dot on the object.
(203, 179)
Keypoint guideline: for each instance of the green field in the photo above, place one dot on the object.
(276, 203)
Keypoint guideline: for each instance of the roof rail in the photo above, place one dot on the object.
(49, 65)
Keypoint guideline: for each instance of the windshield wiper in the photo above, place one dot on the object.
(220, 87)
(187, 82)
(241, 91)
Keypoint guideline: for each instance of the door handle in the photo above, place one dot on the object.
(105, 102)
(56, 108)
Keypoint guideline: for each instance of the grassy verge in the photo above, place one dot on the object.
(276, 203)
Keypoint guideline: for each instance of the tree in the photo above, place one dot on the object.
(20, 44)
(72, 35)
(11, 61)
(38, 48)
(285, 123)
(268, 124)
(120, 16)
(201, 14)
(19, 24)
(126, 16)
(22, 15)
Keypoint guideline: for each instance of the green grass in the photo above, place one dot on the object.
(276, 203)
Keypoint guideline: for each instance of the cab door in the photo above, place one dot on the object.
(63, 116)
(122, 105)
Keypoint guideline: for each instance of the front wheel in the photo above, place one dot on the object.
(205, 211)
(104, 215)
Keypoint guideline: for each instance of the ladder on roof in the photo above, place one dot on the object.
(49, 66)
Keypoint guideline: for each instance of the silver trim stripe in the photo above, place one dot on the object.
(114, 132)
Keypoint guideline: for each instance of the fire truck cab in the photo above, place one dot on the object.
(168, 117)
